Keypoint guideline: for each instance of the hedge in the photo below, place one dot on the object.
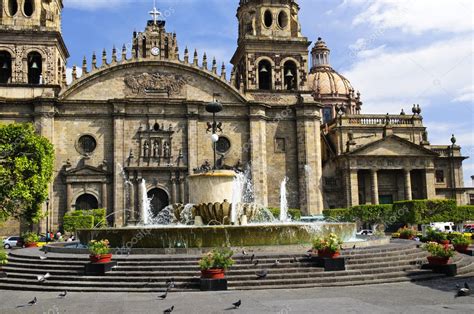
(294, 213)
(73, 222)
(372, 214)
(338, 214)
(426, 211)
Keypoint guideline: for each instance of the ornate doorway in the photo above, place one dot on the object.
(86, 202)
(159, 200)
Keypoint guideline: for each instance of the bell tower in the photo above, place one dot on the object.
(32, 50)
(272, 54)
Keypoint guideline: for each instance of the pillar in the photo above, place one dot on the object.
(104, 195)
(132, 201)
(352, 187)
(139, 198)
(68, 197)
(429, 181)
(192, 129)
(374, 186)
(120, 157)
(173, 190)
(308, 128)
(408, 192)
(181, 191)
(258, 154)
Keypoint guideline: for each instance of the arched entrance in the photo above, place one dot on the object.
(86, 202)
(159, 200)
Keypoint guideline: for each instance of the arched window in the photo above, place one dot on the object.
(29, 7)
(86, 202)
(5, 67)
(290, 76)
(264, 75)
(35, 68)
(12, 7)
(144, 47)
(159, 200)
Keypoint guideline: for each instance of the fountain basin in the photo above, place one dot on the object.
(217, 236)
(211, 187)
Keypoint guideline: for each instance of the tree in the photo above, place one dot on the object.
(26, 169)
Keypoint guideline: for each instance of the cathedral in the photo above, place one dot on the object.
(138, 115)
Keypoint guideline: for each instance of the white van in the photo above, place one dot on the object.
(447, 227)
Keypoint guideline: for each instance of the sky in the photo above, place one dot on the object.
(395, 52)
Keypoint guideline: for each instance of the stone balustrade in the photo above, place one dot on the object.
(378, 120)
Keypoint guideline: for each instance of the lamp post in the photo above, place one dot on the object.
(453, 174)
(214, 107)
(47, 215)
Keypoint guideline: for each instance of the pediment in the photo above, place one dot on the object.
(151, 80)
(86, 171)
(393, 146)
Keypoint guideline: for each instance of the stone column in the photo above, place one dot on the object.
(374, 186)
(258, 153)
(181, 191)
(104, 195)
(308, 125)
(68, 197)
(120, 157)
(192, 129)
(173, 190)
(132, 201)
(429, 182)
(408, 193)
(352, 187)
(139, 199)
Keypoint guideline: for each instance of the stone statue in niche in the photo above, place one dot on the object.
(156, 149)
(166, 150)
(146, 149)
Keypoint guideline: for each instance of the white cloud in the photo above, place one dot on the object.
(408, 76)
(417, 16)
(466, 95)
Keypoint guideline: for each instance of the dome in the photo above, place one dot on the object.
(323, 79)
(326, 81)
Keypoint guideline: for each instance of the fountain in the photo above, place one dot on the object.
(210, 220)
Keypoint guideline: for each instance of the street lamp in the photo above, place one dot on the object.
(453, 174)
(214, 107)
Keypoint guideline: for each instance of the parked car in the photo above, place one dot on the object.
(10, 242)
(365, 232)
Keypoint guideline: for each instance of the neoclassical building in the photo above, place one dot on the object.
(135, 118)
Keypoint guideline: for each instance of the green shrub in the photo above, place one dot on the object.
(98, 219)
(372, 214)
(426, 211)
(73, 222)
(338, 214)
(3, 257)
(217, 259)
(30, 237)
(464, 213)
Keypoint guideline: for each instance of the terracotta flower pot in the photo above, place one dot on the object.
(100, 259)
(407, 237)
(214, 273)
(31, 245)
(328, 254)
(435, 260)
(444, 242)
(461, 248)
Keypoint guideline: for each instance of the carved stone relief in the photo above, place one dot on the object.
(146, 83)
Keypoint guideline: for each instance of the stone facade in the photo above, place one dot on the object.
(139, 122)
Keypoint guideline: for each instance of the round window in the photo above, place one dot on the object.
(86, 144)
(283, 19)
(223, 145)
(268, 18)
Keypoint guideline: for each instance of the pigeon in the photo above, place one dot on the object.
(294, 260)
(308, 255)
(261, 274)
(252, 257)
(463, 292)
(63, 294)
(354, 247)
(276, 263)
(43, 258)
(244, 253)
(170, 283)
(256, 263)
(163, 296)
(33, 302)
(237, 304)
(167, 311)
(42, 278)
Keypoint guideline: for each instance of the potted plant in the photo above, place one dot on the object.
(328, 246)
(407, 233)
(440, 254)
(99, 251)
(31, 239)
(214, 264)
(461, 243)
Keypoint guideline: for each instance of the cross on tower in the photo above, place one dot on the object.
(155, 13)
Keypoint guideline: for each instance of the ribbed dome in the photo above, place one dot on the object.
(326, 81)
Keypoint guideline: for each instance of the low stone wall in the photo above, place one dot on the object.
(217, 236)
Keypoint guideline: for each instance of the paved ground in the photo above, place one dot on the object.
(422, 297)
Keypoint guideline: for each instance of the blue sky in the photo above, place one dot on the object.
(396, 53)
